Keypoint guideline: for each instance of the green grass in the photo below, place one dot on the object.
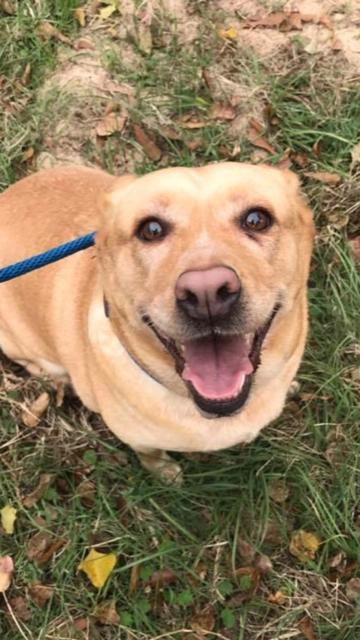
(313, 448)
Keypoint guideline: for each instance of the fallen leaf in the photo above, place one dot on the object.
(278, 491)
(324, 176)
(151, 149)
(304, 545)
(355, 156)
(354, 244)
(7, 6)
(203, 620)
(42, 546)
(80, 16)
(47, 31)
(161, 578)
(263, 563)
(248, 580)
(110, 124)
(82, 44)
(26, 74)
(271, 20)
(6, 571)
(98, 567)
(306, 627)
(228, 34)
(134, 579)
(353, 589)
(27, 155)
(31, 498)
(194, 144)
(107, 11)
(86, 491)
(190, 121)
(170, 133)
(8, 517)
(40, 593)
(258, 141)
(246, 551)
(277, 598)
(144, 38)
(300, 159)
(105, 613)
(31, 415)
(21, 609)
(222, 111)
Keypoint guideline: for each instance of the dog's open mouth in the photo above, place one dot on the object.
(218, 368)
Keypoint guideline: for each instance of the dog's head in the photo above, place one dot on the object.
(204, 260)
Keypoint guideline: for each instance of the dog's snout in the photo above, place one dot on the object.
(209, 293)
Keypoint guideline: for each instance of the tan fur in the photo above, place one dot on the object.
(54, 318)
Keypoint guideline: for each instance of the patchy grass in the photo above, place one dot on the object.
(236, 506)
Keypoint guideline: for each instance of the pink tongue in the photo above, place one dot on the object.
(217, 365)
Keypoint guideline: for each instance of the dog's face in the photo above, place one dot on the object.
(204, 260)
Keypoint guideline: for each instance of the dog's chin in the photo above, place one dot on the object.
(218, 369)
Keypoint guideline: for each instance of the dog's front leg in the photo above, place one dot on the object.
(160, 464)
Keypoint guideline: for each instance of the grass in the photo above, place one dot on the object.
(99, 496)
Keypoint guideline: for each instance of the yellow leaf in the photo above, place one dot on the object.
(8, 517)
(106, 12)
(98, 567)
(304, 545)
(6, 570)
(228, 34)
(80, 16)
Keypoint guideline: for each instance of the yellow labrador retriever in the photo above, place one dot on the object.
(185, 325)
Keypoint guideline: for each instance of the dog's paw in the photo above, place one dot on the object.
(161, 465)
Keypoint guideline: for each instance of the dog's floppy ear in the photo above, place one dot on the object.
(108, 200)
(303, 209)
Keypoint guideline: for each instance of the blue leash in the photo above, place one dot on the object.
(47, 257)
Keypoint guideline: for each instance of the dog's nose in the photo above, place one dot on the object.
(209, 293)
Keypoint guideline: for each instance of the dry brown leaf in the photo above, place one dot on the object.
(161, 578)
(304, 545)
(31, 415)
(134, 579)
(194, 144)
(31, 498)
(279, 491)
(21, 609)
(27, 155)
(110, 124)
(106, 613)
(150, 147)
(98, 567)
(42, 546)
(354, 244)
(324, 176)
(306, 627)
(40, 593)
(191, 121)
(170, 133)
(84, 43)
(277, 598)
(353, 589)
(355, 156)
(144, 38)
(26, 74)
(252, 575)
(6, 571)
(263, 563)
(222, 111)
(86, 491)
(7, 6)
(80, 624)
(203, 620)
(8, 517)
(80, 16)
(258, 141)
(300, 159)
(47, 31)
(246, 551)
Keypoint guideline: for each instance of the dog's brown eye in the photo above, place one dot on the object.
(256, 220)
(152, 229)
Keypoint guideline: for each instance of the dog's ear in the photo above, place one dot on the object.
(107, 202)
(294, 185)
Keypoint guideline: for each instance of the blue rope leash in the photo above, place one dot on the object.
(47, 257)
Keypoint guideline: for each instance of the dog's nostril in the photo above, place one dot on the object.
(223, 293)
(191, 298)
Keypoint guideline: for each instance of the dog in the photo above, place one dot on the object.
(185, 325)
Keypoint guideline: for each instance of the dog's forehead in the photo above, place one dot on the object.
(220, 188)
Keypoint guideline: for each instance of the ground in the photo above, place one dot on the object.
(260, 542)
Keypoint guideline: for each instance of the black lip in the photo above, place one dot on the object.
(219, 408)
